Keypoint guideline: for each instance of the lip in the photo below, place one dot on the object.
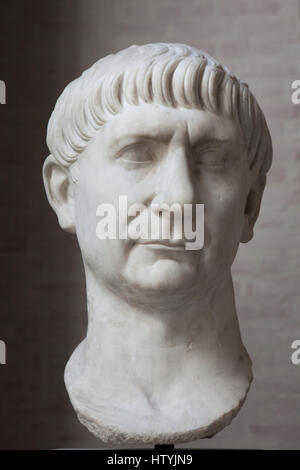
(164, 245)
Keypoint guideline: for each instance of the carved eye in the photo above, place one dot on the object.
(136, 154)
(209, 158)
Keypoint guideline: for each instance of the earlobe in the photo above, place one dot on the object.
(59, 193)
(252, 208)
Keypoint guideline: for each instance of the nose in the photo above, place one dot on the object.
(175, 182)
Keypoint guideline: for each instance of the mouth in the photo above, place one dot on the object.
(163, 244)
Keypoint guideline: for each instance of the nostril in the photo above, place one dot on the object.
(149, 200)
(159, 208)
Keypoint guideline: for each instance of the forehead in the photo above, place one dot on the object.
(164, 123)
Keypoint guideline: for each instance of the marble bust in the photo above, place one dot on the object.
(163, 360)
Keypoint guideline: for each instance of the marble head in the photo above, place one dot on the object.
(161, 124)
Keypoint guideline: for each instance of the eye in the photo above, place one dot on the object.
(137, 154)
(209, 158)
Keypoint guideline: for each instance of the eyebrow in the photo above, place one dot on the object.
(128, 139)
(162, 137)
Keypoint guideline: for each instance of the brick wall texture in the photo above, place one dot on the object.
(42, 316)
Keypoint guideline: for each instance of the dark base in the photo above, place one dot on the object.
(164, 447)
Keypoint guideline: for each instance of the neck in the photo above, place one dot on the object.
(187, 361)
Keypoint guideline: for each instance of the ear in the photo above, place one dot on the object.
(252, 208)
(59, 192)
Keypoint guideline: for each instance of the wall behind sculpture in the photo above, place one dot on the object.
(42, 315)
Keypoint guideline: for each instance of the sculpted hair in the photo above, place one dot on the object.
(169, 74)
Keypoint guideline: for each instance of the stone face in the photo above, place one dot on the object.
(162, 124)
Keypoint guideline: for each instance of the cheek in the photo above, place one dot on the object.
(103, 257)
(85, 215)
(87, 198)
(224, 218)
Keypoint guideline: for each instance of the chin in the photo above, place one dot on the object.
(164, 275)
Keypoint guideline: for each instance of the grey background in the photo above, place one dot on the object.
(43, 46)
